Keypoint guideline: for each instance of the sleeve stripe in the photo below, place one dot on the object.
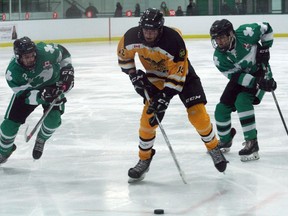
(173, 86)
(127, 66)
(267, 37)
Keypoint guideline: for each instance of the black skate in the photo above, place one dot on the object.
(225, 147)
(3, 159)
(38, 148)
(138, 172)
(250, 151)
(218, 158)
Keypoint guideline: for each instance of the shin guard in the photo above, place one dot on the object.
(200, 119)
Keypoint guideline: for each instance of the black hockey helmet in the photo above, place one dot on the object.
(22, 46)
(152, 18)
(221, 28)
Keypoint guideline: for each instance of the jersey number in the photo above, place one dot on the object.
(180, 69)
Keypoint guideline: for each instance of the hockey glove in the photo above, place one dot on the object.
(140, 82)
(262, 55)
(49, 94)
(66, 81)
(265, 84)
(158, 106)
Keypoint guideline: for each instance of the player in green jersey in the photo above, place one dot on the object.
(242, 55)
(37, 74)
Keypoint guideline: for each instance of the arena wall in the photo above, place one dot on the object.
(111, 29)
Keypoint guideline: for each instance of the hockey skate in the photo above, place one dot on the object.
(250, 151)
(225, 147)
(218, 158)
(138, 172)
(3, 159)
(38, 148)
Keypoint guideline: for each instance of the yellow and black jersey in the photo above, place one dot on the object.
(166, 63)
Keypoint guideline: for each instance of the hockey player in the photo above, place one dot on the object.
(243, 57)
(37, 74)
(168, 72)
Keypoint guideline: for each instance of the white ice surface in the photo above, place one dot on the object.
(83, 171)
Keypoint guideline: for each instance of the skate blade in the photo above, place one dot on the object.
(134, 180)
(225, 150)
(252, 157)
(3, 162)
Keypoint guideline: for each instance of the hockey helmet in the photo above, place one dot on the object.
(23, 46)
(222, 28)
(152, 18)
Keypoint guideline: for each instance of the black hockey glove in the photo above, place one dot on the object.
(66, 81)
(140, 82)
(158, 106)
(49, 94)
(266, 84)
(262, 55)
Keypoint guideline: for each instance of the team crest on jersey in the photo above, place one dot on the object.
(248, 32)
(159, 66)
(182, 53)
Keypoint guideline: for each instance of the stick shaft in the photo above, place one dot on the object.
(279, 111)
(266, 69)
(28, 137)
(168, 143)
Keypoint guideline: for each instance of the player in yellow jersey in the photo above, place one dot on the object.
(168, 72)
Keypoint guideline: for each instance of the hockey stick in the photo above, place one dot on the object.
(276, 102)
(28, 137)
(280, 113)
(168, 143)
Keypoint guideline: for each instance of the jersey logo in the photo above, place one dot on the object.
(159, 66)
(47, 65)
(248, 32)
(247, 46)
(182, 53)
(193, 98)
(49, 48)
(43, 77)
(8, 75)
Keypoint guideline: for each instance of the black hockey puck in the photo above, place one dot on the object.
(159, 211)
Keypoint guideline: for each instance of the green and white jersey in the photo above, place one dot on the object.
(239, 64)
(50, 58)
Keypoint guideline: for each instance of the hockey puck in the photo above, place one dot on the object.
(159, 211)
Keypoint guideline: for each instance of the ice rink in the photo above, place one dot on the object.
(83, 171)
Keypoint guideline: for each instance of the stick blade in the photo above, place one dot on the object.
(27, 137)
